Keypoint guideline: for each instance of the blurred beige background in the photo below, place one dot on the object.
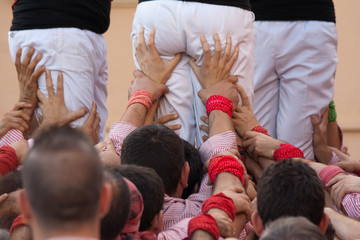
(347, 84)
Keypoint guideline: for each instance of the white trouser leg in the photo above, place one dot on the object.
(305, 61)
(69, 50)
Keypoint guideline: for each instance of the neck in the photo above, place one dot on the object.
(73, 230)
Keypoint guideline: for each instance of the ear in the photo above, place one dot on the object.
(24, 206)
(257, 223)
(185, 175)
(105, 199)
(156, 223)
(324, 223)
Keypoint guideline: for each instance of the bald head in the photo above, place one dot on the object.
(62, 177)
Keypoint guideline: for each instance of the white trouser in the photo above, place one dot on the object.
(178, 28)
(80, 55)
(295, 64)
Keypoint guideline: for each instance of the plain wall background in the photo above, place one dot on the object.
(121, 66)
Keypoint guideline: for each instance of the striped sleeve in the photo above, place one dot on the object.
(118, 133)
(216, 144)
(351, 204)
(10, 137)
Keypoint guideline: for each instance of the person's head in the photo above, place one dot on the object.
(289, 188)
(157, 147)
(152, 190)
(292, 228)
(192, 156)
(63, 181)
(11, 182)
(115, 219)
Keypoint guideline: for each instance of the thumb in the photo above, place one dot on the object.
(192, 64)
(173, 62)
(110, 145)
(315, 123)
(78, 114)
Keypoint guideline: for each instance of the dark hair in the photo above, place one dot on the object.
(290, 188)
(11, 182)
(116, 218)
(63, 176)
(151, 188)
(292, 228)
(157, 147)
(196, 174)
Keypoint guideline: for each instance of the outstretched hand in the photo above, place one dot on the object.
(54, 110)
(225, 88)
(217, 67)
(149, 60)
(243, 117)
(28, 76)
(321, 150)
(91, 126)
(15, 119)
(143, 82)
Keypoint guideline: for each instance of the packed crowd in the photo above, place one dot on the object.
(189, 158)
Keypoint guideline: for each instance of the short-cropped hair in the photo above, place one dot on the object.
(290, 188)
(292, 228)
(157, 147)
(151, 188)
(62, 176)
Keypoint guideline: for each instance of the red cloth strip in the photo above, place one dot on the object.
(217, 102)
(222, 202)
(225, 163)
(287, 151)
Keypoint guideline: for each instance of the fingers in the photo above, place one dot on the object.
(25, 62)
(324, 118)
(3, 197)
(204, 128)
(18, 60)
(174, 127)
(205, 138)
(205, 119)
(110, 145)
(41, 97)
(193, 65)
(217, 52)
(35, 75)
(49, 85)
(227, 50)
(32, 65)
(250, 134)
(151, 43)
(173, 62)
(21, 105)
(74, 115)
(60, 87)
(167, 118)
(232, 79)
(92, 113)
(315, 123)
(243, 95)
(141, 40)
(206, 50)
(232, 60)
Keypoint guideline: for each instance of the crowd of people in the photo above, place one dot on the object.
(189, 158)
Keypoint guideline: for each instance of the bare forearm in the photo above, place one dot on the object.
(219, 122)
(135, 114)
(345, 228)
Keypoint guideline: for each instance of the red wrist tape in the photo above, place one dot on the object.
(143, 97)
(261, 129)
(205, 222)
(217, 102)
(222, 202)
(287, 151)
(18, 222)
(225, 163)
